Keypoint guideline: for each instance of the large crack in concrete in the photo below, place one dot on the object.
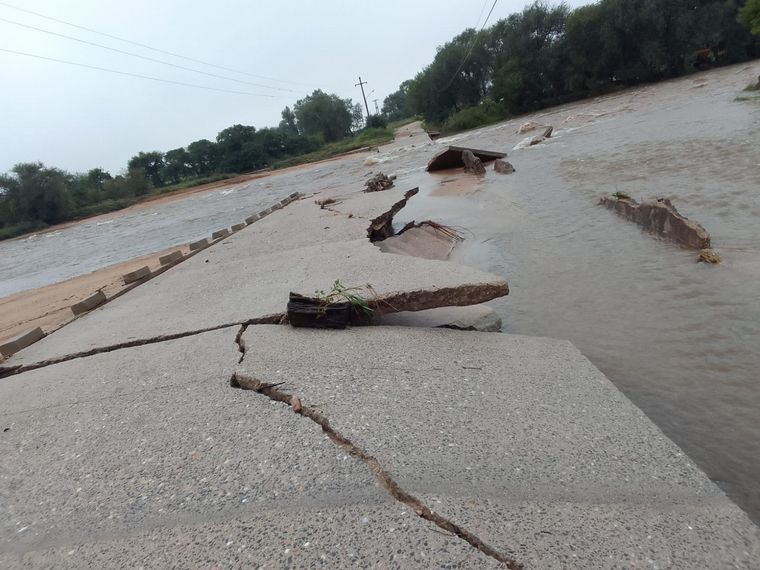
(273, 392)
(19, 369)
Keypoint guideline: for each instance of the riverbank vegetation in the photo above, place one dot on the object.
(34, 196)
(549, 54)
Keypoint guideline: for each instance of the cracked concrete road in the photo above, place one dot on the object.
(146, 457)
(248, 276)
(519, 439)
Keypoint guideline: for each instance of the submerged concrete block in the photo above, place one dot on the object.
(220, 233)
(136, 275)
(200, 244)
(170, 257)
(661, 218)
(238, 227)
(89, 303)
(251, 219)
(21, 341)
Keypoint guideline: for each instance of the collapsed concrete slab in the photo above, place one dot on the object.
(451, 157)
(234, 479)
(424, 240)
(522, 438)
(381, 227)
(661, 218)
(235, 288)
(473, 318)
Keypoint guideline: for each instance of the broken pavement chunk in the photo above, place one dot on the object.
(472, 163)
(503, 167)
(661, 218)
(378, 183)
(451, 157)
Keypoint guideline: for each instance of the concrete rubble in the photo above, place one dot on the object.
(451, 157)
(503, 167)
(661, 218)
(472, 163)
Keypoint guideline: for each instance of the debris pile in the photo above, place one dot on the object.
(378, 183)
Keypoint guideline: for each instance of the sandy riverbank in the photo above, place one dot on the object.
(49, 307)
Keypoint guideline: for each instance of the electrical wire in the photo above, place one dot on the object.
(469, 51)
(129, 74)
(146, 46)
(162, 62)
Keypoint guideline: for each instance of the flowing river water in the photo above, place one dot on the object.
(681, 339)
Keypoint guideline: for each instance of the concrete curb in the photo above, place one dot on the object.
(238, 227)
(200, 244)
(136, 275)
(170, 257)
(21, 341)
(220, 233)
(89, 303)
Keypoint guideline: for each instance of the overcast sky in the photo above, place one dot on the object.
(77, 118)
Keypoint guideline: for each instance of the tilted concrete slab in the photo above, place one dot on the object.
(520, 437)
(147, 457)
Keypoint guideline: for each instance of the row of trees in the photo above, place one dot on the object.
(549, 54)
(33, 196)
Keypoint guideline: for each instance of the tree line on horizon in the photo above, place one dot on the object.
(549, 54)
(34, 196)
(542, 56)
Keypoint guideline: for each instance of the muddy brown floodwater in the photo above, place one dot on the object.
(681, 339)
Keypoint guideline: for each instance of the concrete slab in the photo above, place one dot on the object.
(146, 457)
(251, 219)
(220, 233)
(89, 303)
(225, 286)
(522, 435)
(238, 227)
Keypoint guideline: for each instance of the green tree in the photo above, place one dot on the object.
(203, 156)
(35, 193)
(324, 115)
(152, 164)
(750, 16)
(177, 164)
(288, 124)
(238, 149)
(396, 105)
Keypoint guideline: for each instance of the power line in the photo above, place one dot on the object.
(146, 46)
(72, 38)
(127, 73)
(472, 45)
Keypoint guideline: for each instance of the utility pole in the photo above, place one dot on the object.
(377, 109)
(362, 84)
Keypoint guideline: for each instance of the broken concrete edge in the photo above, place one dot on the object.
(420, 300)
(661, 218)
(451, 157)
(20, 342)
(384, 478)
(89, 303)
(5, 371)
(381, 227)
(170, 257)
